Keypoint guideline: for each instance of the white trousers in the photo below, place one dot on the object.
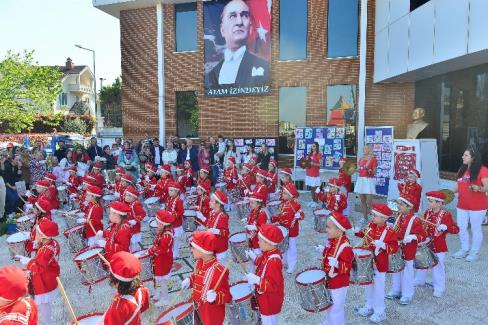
(44, 316)
(475, 218)
(221, 257)
(176, 242)
(402, 282)
(91, 241)
(134, 242)
(335, 314)
(375, 293)
(269, 320)
(438, 275)
(291, 254)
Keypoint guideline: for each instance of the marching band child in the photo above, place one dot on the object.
(162, 252)
(231, 176)
(437, 224)
(291, 214)
(345, 181)
(203, 203)
(209, 281)
(381, 240)
(409, 231)
(97, 173)
(135, 217)
(272, 176)
(218, 224)
(44, 269)
(42, 187)
(334, 200)
(337, 263)
(285, 176)
(268, 279)
(411, 188)
(181, 177)
(42, 212)
(125, 182)
(246, 180)
(53, 192)
(203, 176)
(117, 181)
(175, 207)
(94, 215)
(73, 180)
(14, 305)
(161, 189)
(257, 217)
(117, 237)
(132, 298)
(85, 182)
(188, 173)
(261, 189)
(149, 182)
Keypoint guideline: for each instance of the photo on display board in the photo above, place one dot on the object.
(327, 149)
(300, 154)
(259, 142)
(340, 132)
(387, 139)
(299, 133)
(239, 142)
(248, 141)
(369, 139)
(319, 134)
(302, 144)
(308, 133)
(271, 142)
(330, 133)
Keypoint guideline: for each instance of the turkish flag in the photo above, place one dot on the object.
(259, 41)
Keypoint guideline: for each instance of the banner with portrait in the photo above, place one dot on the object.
(237, 39)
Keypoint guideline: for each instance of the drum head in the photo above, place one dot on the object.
(177, 312)
(284, 231)
(88, 254)
(153, 224)
(151, 200)
(61, 188)
(190, 213)
(240, 290)
(222, 184)
(90, 319)
(18, 237)
(273, 203)
(238, 237)
(73, 229)
(310, 276)
(24, 218)
(321, 212)
(141, 254)
(109, 197)
(361, 252)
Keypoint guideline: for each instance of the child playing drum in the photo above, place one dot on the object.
(117, 237)
(93, 221)
(218, 224)
(261, 189)
(334, 200)
(149, 182)
(73, 180)
(411, 188)
(175, 207)
(272, 176)
(203, 203)
(135, 217)
(257, 218)
(42, 212)
(161, 189)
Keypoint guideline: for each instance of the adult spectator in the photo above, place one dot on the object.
(170, 156)
(11, 171)
(204, 155)
(213, 148)
(145, 155)
(250, 154)
(25, 157)
(231, 151)
(37, 166)
(60, 152)
(157, 152)
(110, 162)
(69, 160)
(181, 154)
(3, 190)
(82, 161)
(94, 150)
(312, 178)
(39, 146)
(128, 160)
(263, 157)
(472, 186)
(176, 143)
(118, 142)
(366, 182)
(191, 153)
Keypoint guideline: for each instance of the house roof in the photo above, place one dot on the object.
(77, 69)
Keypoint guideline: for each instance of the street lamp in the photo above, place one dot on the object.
(94, 83)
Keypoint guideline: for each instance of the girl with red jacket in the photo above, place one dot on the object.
(257, 217)
(94, 215)
(272, 176)
(42, 212)
(203, 204)
(334, 200)
(117, 237)
(312, 178)
(218, 224)
(73, 180)
(135, 217)
(175, 207)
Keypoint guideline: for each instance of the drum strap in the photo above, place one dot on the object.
(339, 251)
(137, 302)
(383, 234)
(206, 280)
(409, 226)
(272, 256)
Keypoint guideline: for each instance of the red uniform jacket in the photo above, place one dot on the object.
(136, 213)
(204, 207)
(181, 179)
(367, 167)
(287, 216)
(53, 197)
(175, 207)
(442, 217)
(246, 182)
(117, 237)
(205, 181)
(345, 180)
(122, 189)
(412, 189)
(74, 182)
(400, 228)
(29, 244)
(161, 189)
(258, 218)
(205, 278)
(46, 195)
(127, 309)
(231, 177)
(339, 277)
(188, 177)
(162, 252)
(23, 311)
(270, 290)
(331, 201)
(94, 216)
(379, 232)
(262, 191)
(147, 186)
(44, 268)
(273, 180)
(99, 180)
(219, 220)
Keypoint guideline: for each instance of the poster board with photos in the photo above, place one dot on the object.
(381, 139)
(330, 140)
(241, 144)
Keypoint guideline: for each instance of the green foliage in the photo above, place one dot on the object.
(75, 125)
(188, 104)
(80, 108)
(26, 90)
(111, 104)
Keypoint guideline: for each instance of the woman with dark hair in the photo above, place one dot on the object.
(472, 186)
(110, 162)
(129, 160)
(312, 178)
(82, 159)
(263, 157)
(250, 154)
(231, 151)
(204, 155)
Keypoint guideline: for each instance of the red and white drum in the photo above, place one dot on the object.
(283, 246)
(90, 265)
(320, 220)
(147, 268)
(238, 244)
(16, 243)
(151, 205)
(362, 267)
(180, 314)
(243, 209)
(240, 310)
(314, 293)
(189, 224)
(153, 227)
(274, 207)
(25, 223)
(75, 238)
(89, 319)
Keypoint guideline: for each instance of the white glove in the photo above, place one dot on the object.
(333, 262)
(68, 183)
(85, 203)
(22, 259)
(337, 197)
(28, 193)
(214, 231)
(380, 244)
(244, 220)
(251, 254)
(298, 215)
(317, 190)
(101, 242)
(441, 227)
(252, 278)
(185, 284)
(152, 187)
(99, 234)
(80, 220)
(234, 181)
(409, 239)
(201, 216)
(28, 206)
(147, 178)
(132, 222)
(320, 248)
(117, 194)
(211, 296)
(246, 191)
(239, 176)
(251, 227)
(389, 224)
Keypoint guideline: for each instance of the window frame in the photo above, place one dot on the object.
(176, 28)
(306, 58)
(327, 39)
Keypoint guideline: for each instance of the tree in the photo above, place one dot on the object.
(75, 125)
(111, 104)
(80, 108)
(26, 90)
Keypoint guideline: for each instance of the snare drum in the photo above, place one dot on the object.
(190, 200)
(189, 224)
(89, 319)
(151, 205)
(274, 207)
(283, 246)
(25, 223)
(16, 243)
(147, 268)
(70, 219)
(424, 257)
(62, 193)
(90, 265)
(109, 176)
(243, 209)
(238, 245)
(75, 237)
(180, 314)
(222, 186)
(396, 262)
(320, 220)
(107, 199)
(240, 310)
(312, 287)
(362, 267)
(392, 204)
(153, 227)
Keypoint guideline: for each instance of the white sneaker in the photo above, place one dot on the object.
(377, 318)
(405, 301)
(460, 254)
(392, 295)
(363, 311)
(437, 294)
(472, 257)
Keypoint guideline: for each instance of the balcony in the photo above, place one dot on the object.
(77, 88)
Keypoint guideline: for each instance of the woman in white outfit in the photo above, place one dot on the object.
(366, 182)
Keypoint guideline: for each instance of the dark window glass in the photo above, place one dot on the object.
(187, 114)
(186, 27)
(342, 111)
(292, 114)
(414, 4)
(342, 28)
(293, 29)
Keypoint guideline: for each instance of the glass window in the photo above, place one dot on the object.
(414, 4)
(293, 29)
(342, 28)
(342, 111)
(187, 114)
(292, 113)
(186, 27)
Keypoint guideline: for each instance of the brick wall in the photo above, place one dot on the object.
(386, 104)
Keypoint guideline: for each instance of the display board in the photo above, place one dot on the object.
(330, 140)
(272, 144)
(381, 139)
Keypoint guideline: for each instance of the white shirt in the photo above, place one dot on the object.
(169, 156)
(157, 156)
(230, 67)
(188, 153)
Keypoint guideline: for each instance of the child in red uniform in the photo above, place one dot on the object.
(181, 177)
(175, 207)
(257, 217)
(337, 263)
(135, 217)
(125, 182)
(15, 307)
(261, 189)
(42, 188)
(73, 181)
(117, 237)
(149, 182)
(188, 174)
(268, 279)
(346, 183)
(218, 224)
(291, 214)
(161, 189)
(44, 269)
(246, 180)
(42, 212)
(97, 173)
(411, 188)
(409, 231)
(231, 178)
(312, 178)
(162, 252)
(94, 215)
(132, 298)
(203, 203)
(438, 223)
(53, 192)
(203, 177)
(272, 176)
(381, 240)
(118, 177)
(285, 178)
(334, 200)
(209, 281)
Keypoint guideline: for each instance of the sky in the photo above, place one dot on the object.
(52, 27)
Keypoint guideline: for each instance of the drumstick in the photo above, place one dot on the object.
(104, 259)
(25, 202)
(239, 261)
(335, 253)
(427, 221)
(21, 210)
(66, 300)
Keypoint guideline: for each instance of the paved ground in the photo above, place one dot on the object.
(466, 299)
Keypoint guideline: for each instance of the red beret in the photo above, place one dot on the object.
(94, 190)
(43, 183)
(127, 178)
(291, 189)
(340, 221)
(166, 169)
(88, 181)
(256, 197)
(14, 282)
(381, 209)
(286, 171)
(436, 195)
(415, 172)
(125, 266)
(132, 191)
(270, 234)
(204, 241)
(119, 208)
(51, 177)
(164, 217)
(334, 182)
(407, 199)
(47, 228)
(174, 186)
(220, 197)
(43, 205)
